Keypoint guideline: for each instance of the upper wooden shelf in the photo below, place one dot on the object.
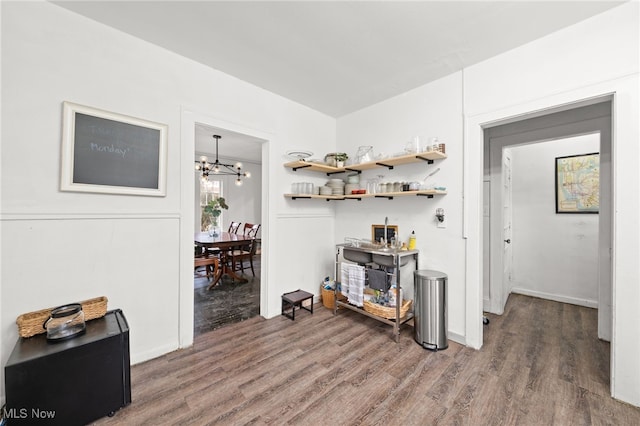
(389, 163)
(429, 193)
(313, 167)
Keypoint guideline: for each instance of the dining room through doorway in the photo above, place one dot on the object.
(229, 301)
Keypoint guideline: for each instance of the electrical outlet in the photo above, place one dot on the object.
(442, 224)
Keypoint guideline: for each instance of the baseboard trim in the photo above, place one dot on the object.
(556, 297)
(457, 338)
(140, 357)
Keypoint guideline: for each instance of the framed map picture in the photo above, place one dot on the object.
(578, 183)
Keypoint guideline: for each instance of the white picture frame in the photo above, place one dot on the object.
(106, 152)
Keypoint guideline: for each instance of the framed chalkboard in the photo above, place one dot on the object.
(377, 232)
(111, 153)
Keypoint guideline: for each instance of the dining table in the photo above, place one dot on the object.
(225, 242)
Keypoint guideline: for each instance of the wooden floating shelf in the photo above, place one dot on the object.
(313, 167)
(430, 193)
(389, 163)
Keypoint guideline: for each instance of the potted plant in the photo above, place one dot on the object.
(341, 157)
(212, 212)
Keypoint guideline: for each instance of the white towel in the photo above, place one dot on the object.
(344, 278)
(356, 285)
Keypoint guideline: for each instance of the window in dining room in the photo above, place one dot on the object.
(209, 190)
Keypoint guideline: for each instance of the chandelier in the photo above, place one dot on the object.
(218, 168)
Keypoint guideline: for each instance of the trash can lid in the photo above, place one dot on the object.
(428, 273)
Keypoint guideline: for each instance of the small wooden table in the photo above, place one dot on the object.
(293, 299)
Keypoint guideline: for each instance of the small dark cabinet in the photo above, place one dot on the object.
(71, 382)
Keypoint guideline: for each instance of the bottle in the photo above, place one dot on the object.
(412, 241)
(395, 296)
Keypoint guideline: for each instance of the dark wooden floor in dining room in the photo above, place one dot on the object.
(541, 364)
(226, 303)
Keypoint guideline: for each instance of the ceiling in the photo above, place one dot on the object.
(338, 56)
(232, 146)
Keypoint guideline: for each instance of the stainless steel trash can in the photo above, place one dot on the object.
(430, 320)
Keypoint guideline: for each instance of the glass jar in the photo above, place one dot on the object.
(364, 154)
(65, 322)
(372, 186)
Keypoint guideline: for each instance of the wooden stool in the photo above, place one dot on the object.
(293, 299)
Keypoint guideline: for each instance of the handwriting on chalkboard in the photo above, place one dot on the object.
(109, 149)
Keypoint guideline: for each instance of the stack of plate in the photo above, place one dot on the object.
(337, 186)
(325, 190)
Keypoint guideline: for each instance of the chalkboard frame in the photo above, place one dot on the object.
(75, 141)
(377, 231)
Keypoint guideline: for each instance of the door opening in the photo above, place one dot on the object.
(219, 300)
(594, 118)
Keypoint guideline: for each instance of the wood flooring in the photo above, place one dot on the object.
(226, 303)
(541, 364)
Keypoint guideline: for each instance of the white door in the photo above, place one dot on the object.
(507, 255)
(486, 246)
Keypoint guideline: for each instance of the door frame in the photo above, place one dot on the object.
(624, 349)
(473, 167)
(187, 211)
(572, 122)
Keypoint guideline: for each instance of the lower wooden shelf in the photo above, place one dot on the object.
(429, 193)
(404, 319)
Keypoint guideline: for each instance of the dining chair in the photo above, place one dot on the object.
(251, 230)
(210, 263)
(238, 257)
(258, 246)
(234, 227)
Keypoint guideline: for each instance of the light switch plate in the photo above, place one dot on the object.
(442, 224)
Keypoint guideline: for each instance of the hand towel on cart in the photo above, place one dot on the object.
(353, 282)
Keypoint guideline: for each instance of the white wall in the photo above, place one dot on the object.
(246, 200)
(431, 110)
(555, 256)
(59, 247)
(597, 57)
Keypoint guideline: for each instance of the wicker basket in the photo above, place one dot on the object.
(388, 312)
(32, 323)
(328, 298)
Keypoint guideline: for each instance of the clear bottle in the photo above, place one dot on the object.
(395, 296)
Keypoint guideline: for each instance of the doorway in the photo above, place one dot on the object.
(229, 300)
(188, 210)
(547, 129)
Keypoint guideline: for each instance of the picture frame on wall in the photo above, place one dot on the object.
(577, 183)
(107, 152)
